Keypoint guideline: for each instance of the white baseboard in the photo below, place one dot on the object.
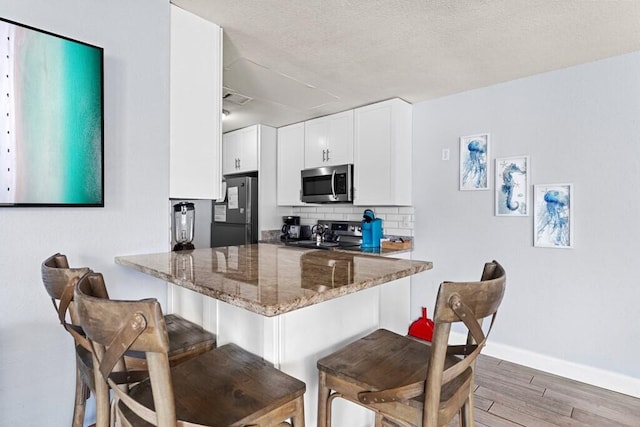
(587, 374)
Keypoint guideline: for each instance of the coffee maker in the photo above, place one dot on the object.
(290, 227)
(371, 230)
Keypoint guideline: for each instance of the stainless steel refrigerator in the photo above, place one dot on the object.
(235, 220)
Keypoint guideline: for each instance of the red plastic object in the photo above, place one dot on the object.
(423, 327)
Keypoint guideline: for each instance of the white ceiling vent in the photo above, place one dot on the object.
(235, 98)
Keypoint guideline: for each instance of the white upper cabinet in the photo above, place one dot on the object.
(196, 106)
(290, 163)
(240, 150)
(329, 140)
(382, 154)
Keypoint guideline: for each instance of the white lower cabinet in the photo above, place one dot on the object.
(382, 154)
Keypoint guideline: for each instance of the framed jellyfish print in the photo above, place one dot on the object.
(474, 162)
(553, 215)
(512, 186)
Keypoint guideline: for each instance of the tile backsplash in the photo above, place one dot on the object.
(396, 221)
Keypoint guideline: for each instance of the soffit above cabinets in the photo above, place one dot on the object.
(304, 59)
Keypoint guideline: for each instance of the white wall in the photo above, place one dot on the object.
(36, 355)
(574, 311)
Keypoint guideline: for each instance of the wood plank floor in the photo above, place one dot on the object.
(508, 394)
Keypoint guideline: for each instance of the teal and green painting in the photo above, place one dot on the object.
(51, 144)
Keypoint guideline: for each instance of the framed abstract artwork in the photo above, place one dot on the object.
(52, 139)
(553, 215)
(512, 186)
(474, 162)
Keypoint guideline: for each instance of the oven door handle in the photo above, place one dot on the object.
(333, 185)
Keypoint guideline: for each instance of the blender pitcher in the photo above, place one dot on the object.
(183, 225)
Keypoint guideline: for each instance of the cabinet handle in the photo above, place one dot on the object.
(323, 155)
(327, 154)
(238, 163)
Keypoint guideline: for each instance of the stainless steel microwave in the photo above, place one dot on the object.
(327, 184)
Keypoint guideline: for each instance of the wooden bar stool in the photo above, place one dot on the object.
(227, 386)
(58, 280)
(187, 339)
(412, 383)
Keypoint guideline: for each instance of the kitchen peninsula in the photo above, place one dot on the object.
(288, 305)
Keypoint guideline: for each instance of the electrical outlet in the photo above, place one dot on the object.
(445, 154)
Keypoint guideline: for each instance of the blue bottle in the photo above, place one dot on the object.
(371, 230)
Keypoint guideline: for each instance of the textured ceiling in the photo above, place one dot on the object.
(299, 59)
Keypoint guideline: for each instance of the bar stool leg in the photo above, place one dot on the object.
(298, 419)
(103, 404)
(323, 399)
(80, 400)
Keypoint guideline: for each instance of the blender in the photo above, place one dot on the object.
(183, 224)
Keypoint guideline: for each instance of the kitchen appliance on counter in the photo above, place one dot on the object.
(235, 219)
(371, 230)
(290, 227)
(292, 230)
(290, 220)
(184, 215)
(327, 184)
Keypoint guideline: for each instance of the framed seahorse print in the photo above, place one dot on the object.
(512, 186)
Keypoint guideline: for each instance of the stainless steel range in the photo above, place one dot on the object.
(333, 234)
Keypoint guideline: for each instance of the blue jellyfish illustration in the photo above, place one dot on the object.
(509, 184)
(553, 221)
(475, 166)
